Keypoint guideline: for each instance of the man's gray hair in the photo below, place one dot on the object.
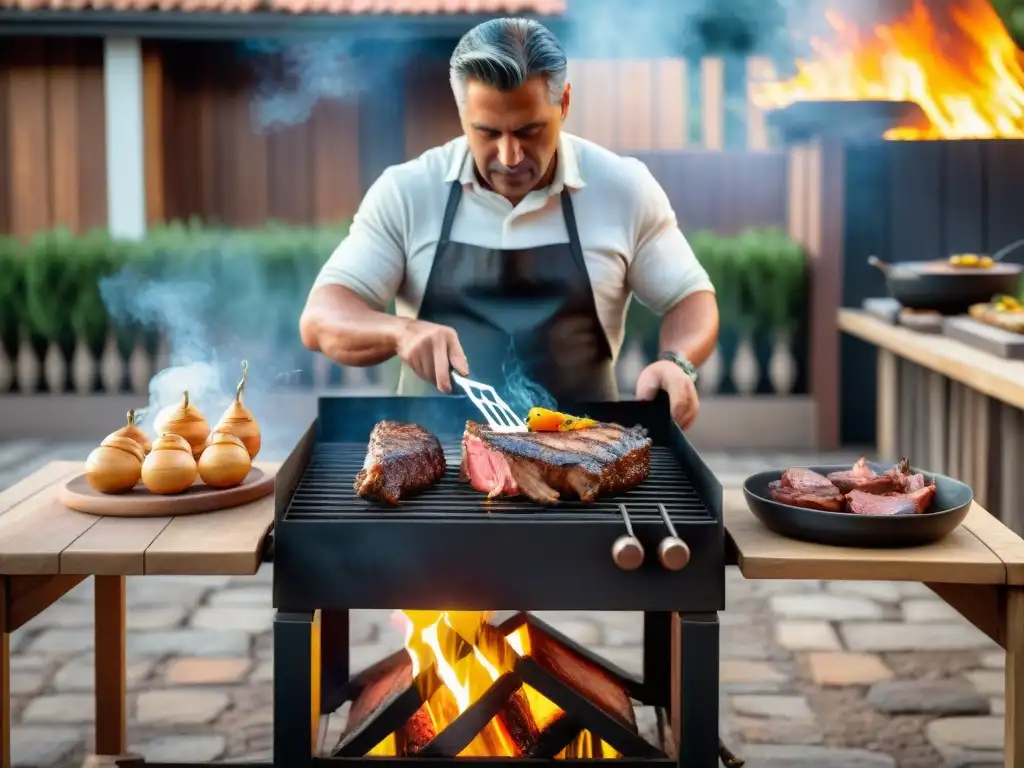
(504, 54)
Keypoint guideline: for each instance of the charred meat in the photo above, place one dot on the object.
(860, 490)
(544, 466)
(803, 488)
(401, 459)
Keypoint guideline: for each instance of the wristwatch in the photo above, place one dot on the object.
(682, 362)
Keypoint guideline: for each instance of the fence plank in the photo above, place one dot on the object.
(637, 99)
(757, 129)
(62, 111)
(29, 158)
(672, 101)
(712, 86)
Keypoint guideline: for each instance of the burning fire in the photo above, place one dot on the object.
(439, 639)
(963, 69)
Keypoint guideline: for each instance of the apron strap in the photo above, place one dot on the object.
(449, 214)
(574, 234)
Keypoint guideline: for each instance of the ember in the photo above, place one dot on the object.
(955, 59)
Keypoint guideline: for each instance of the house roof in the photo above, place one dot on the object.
(332, 7)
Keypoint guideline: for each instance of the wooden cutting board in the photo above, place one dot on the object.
(78, 495)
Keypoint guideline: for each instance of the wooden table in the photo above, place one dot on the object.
(949, 408)
(978, 570)
(47, 549)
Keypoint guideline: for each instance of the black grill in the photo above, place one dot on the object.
(450, 548)
(325, 493)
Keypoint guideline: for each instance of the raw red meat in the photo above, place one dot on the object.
(859, 490)
(864, 478)
(804, 488)
(862, 503)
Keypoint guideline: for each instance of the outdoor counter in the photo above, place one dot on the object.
(46, 549)
(978, 570)
(949, 408)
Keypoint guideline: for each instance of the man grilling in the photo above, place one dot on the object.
(515, 246)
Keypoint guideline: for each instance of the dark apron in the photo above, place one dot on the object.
(526, 318)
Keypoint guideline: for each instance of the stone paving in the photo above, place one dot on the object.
(814, 674)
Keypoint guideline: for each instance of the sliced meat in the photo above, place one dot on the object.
(863, 478)
(545, 466)
(826, 498)
(401, 459)
(805, 480)
(862, 503)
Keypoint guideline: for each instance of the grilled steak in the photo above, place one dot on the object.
(800, 487)
(400, 459)
(862, 503)
(543, 466)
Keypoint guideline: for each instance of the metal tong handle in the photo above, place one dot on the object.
(627, 551)
(673, 553)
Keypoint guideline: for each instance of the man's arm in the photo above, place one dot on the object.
(344, 317)
(341, 325)
(690, 328)
(666, 276)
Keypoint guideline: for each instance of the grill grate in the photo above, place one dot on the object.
(325, 493)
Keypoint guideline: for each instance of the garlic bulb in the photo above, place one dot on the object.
(184, 420)
(225, 462)
(115, 466)
(169, 467)
(239, 421)
(135, 432)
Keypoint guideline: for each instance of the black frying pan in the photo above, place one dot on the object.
(948, 289)
(949, 507)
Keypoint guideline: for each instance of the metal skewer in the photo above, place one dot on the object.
(627, 551)
(672, 552)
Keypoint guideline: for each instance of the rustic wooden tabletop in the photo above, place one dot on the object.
(39, 536)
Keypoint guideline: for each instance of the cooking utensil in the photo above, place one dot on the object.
(951, 503)
(496, 411)
(949, 289)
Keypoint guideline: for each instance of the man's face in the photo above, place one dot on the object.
(513, 135)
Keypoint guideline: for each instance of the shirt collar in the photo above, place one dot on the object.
(567, 174)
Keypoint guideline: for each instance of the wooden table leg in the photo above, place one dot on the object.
(111, 738)
(1014, 717)
(5, 677)
(886, 414)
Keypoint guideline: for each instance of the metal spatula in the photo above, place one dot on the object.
(500, 417)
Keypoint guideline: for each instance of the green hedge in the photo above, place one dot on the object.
(251, 285)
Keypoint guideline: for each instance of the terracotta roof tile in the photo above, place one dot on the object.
(346, 7)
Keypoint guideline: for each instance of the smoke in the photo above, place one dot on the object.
(209, 326)
(520, 391)
(292, 78)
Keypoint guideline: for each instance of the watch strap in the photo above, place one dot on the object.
(688, 368)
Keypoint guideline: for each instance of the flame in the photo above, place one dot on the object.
(964, 71)
(434, 638)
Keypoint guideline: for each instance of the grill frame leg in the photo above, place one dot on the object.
(694, 678)
(296, 709)
(657, 661)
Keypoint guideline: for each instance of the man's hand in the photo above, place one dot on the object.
(682, 392)
(430, 350)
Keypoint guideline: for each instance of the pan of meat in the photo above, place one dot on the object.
(866, 505)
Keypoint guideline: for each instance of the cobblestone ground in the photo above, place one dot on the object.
(814, 674)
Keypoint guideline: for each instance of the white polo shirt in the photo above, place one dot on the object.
(628, 230)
